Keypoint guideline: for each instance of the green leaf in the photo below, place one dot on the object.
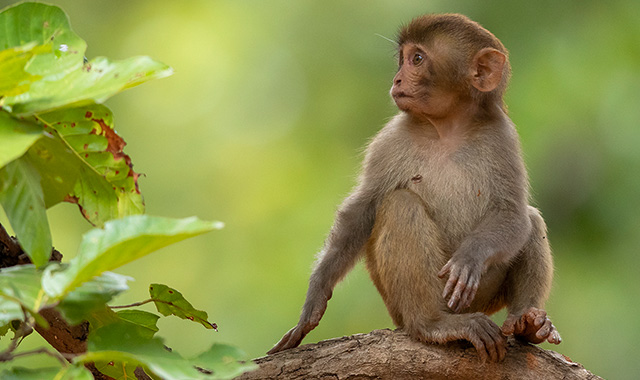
(129, 345)
(67, 373)
(108, 186)
(16, 136)
(74, 373)
(224, 361)
(15, 80)
(148, 321)
(57, 166)
(10, 311)
(97, 81)
(23, 202)
(92, 296)
(80, 160)
(120, 242)
(116, 370)
(65, 79)
(126, 346)
(20, 285)
(43, 24)
(5, 329)
(170, 301)
(101, 317)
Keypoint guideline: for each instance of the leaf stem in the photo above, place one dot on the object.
(133, 304)
(213, 325)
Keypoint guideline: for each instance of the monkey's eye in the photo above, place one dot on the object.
(417, 59)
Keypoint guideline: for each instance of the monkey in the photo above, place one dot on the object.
(441, 209)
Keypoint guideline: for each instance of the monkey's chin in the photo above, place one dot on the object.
(403, 103)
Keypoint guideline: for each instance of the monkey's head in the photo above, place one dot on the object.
(445, 60)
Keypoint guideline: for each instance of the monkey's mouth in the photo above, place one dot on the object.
(400, 95)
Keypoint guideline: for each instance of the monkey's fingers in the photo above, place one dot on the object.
(545, 330)
(460, 282)
(454, 301)
(533, 326)
(507, 328)
(285, 343)
(290, 340)
(549, 333)
(509, 325)
(468, 295)
(554, 337)
(446, 269)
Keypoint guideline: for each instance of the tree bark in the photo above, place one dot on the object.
(65, 338)
(386, 354)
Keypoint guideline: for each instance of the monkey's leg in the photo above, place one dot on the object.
(404, 256)
(527, 287)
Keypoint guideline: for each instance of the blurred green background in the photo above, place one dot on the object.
(263, 124)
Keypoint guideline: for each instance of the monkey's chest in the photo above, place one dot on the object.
(457, 196)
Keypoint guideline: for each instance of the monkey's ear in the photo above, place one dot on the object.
(486, 69)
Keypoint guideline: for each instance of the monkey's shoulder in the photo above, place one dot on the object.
(391, 150)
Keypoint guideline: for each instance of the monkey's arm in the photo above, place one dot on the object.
(504, 228)
(352, 227)
(496, 240)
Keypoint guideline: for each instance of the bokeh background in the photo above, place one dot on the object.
(263, 124)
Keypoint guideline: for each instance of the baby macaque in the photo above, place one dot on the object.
(441, 212)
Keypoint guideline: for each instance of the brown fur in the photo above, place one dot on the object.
(440, 210)
(457, 30)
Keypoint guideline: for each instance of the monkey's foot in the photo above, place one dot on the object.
(476, 328)
(533, 326)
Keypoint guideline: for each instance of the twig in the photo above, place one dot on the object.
(134, 304)
(42, 350)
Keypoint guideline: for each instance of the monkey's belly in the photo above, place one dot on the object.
(456, 206)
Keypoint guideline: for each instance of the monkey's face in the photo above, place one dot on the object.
(423, 84)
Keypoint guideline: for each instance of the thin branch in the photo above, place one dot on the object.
(134, 304)
(42, 350)
(24, 330)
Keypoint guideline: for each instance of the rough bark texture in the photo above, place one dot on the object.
(386, 354)
(66, 338)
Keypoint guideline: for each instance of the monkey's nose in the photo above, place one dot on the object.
(397, 81)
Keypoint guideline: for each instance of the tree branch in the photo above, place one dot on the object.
(67, 339)
(386, 354)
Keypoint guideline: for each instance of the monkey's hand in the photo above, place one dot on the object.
(462, 285)
(308, 321)
(533, 326)
(291, 339)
